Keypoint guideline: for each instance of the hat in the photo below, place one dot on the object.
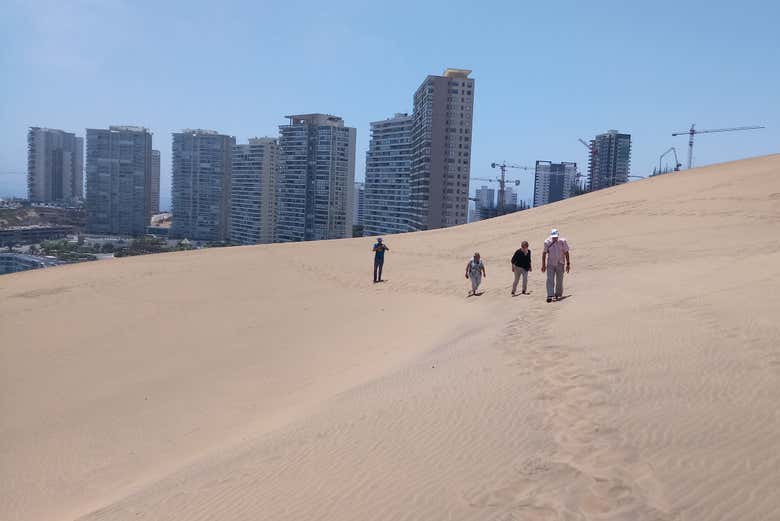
(554, 232)
(379, 239)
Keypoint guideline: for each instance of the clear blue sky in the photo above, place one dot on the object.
(546, 72)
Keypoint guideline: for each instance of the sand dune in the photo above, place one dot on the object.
(277, 382)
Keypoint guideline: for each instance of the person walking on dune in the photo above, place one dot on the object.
(379, 259)
(475, 270)
(555, 258)
(521, 265)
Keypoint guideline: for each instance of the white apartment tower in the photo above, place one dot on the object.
(201, 185)
(317, 178)
(253, 192)
(388, 162)
(553, 181)
(441, 150)
(155, 181)
(119, 180)
(55, 165)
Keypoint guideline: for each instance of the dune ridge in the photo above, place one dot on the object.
(278, 382)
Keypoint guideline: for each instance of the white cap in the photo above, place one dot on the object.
(554, 232)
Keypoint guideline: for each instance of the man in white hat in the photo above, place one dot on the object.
(555, 258)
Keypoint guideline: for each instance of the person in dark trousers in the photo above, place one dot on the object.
(521, 265)
(379, 259)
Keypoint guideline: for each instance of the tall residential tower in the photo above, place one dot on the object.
(119, 180)
(317, 178)
(553, 181)
(55, 165)
(201, 184)
(253, 199)
(441, 150)
(610, 160)
(388, 162)
(155, 181)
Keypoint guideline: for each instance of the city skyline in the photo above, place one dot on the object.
(653, 88)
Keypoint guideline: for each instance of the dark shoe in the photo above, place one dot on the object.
(549, 299)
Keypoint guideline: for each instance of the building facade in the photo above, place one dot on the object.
(201, 185)
(610, 160)
(358, 204)
(55, 165)
(253, 192)
(485, 203)
(441, 150)
(317, 178)
(119, 180)
(553, 181)
(388, 162)
(155, 182)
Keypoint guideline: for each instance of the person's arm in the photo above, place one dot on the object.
(530, 264)
(467, 269)
(568, 262)
(544, 260)
(482, 267)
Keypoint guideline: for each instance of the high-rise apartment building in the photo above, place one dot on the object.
(55, 165)
(254, 185)
(201, 185)
(553, 181)
(610, 160)
(358, 204)
(388, 162)
(485, 204)
(510, 197)
(155, 181)
(317, 178)
(441, 150)
(119, 180)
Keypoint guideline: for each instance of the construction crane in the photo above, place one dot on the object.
(502, 180)
(692, 132)
(587, 145)
(677, 163)
(501, 185)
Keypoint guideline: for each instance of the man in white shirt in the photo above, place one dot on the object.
(555, 258)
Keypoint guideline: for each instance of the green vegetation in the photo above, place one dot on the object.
(68, 251)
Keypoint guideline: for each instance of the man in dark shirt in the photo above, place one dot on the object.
(521, 265)
(379, 259)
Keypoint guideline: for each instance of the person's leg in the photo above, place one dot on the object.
(559, 280)
(381, 264)
(376, 267)
(517, 279)
(475, 280)
(525, 279)
(550, 282)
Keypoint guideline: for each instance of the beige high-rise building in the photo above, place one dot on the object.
(441, 150)
(55, 165)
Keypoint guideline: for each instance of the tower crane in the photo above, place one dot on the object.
(692, 132)
(502, 180)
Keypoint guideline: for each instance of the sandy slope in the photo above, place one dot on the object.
(277, 382)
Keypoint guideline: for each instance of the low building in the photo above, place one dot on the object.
(13, 262)
(33, 234)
